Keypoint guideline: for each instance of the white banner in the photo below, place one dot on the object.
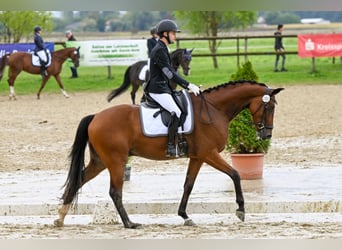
(110, 52)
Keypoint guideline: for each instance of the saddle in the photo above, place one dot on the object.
(154, 118)
(36, 60)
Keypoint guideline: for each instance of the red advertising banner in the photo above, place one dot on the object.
(320, 45)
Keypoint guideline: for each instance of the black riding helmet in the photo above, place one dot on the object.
(153, 30)
(166, 25)
(37, 29)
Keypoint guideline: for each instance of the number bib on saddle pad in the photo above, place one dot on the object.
(36, 60)
(152, 124)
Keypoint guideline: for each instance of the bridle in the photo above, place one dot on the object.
(262, 124)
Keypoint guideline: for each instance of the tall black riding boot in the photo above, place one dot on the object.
(172, 133)
(43, 71)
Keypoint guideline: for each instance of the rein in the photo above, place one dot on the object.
(205, 103)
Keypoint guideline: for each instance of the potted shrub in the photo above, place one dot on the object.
(246, 148)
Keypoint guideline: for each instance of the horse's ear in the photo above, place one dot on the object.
(276, 91)
(192, 49)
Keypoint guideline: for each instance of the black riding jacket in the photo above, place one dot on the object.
(151, 42)
(38, 41)
(161, 71)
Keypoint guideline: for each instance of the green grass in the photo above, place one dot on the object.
(202, 70)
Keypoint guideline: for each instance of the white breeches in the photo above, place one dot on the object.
(42, 55)
(167, 102)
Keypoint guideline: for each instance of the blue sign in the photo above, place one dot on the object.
(24, 47)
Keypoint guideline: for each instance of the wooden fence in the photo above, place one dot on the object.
(244, 53)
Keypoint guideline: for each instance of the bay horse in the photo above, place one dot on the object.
(22, 61)
(115, 133)
(179, 58)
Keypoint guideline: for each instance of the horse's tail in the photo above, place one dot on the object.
(75, 175)
(3, 64)
(123, 87)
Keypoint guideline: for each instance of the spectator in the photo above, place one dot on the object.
(70, 37)
(279, 48)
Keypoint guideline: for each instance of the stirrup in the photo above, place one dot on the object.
(171, 151)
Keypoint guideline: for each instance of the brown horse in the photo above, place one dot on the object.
(179, 58)
(22, 61)
(115, 134)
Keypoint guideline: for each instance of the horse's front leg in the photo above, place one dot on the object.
(42, 85)
(60, 84)
(193, 169)
(215, 160)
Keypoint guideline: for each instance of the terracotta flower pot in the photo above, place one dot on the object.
(249, 166)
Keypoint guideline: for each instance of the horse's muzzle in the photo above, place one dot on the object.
(265, 133)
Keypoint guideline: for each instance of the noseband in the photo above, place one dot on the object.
(267, 109)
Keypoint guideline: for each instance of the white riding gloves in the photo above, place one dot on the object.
(194, 88)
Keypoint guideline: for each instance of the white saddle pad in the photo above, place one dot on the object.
(36, 61)
(142, 74)
(154, 127)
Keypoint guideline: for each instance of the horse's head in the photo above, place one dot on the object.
(185, 61)
(75, 56)
(262, 110)
(182, 57)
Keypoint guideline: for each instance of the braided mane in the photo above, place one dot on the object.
(232, 83)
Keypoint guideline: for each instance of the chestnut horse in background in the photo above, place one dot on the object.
(116, 133)
(179, 58)
(22, 61)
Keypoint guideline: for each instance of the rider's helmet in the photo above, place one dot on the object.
(37, 29)
(153, 30)
(166, 25)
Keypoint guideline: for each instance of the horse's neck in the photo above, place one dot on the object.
(61, 55)
(232, 99)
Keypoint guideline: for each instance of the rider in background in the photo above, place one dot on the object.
(40, 49)
(152, 41)
(158, 88)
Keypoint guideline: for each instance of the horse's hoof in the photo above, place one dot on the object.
(240, 215)
(133, 225)
(58, 223)
(189, 222)
(12, 97)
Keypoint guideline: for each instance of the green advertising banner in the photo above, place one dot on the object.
(110, 52)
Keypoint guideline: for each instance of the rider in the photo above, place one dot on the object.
(159, 88)
(40, 49)
(152, 41)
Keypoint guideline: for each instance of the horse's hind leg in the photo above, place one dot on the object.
(116, 170)
(12, 75)
(94, 167)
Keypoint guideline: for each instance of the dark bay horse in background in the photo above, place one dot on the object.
(22, 61)
(116, 133)
(179, 58)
